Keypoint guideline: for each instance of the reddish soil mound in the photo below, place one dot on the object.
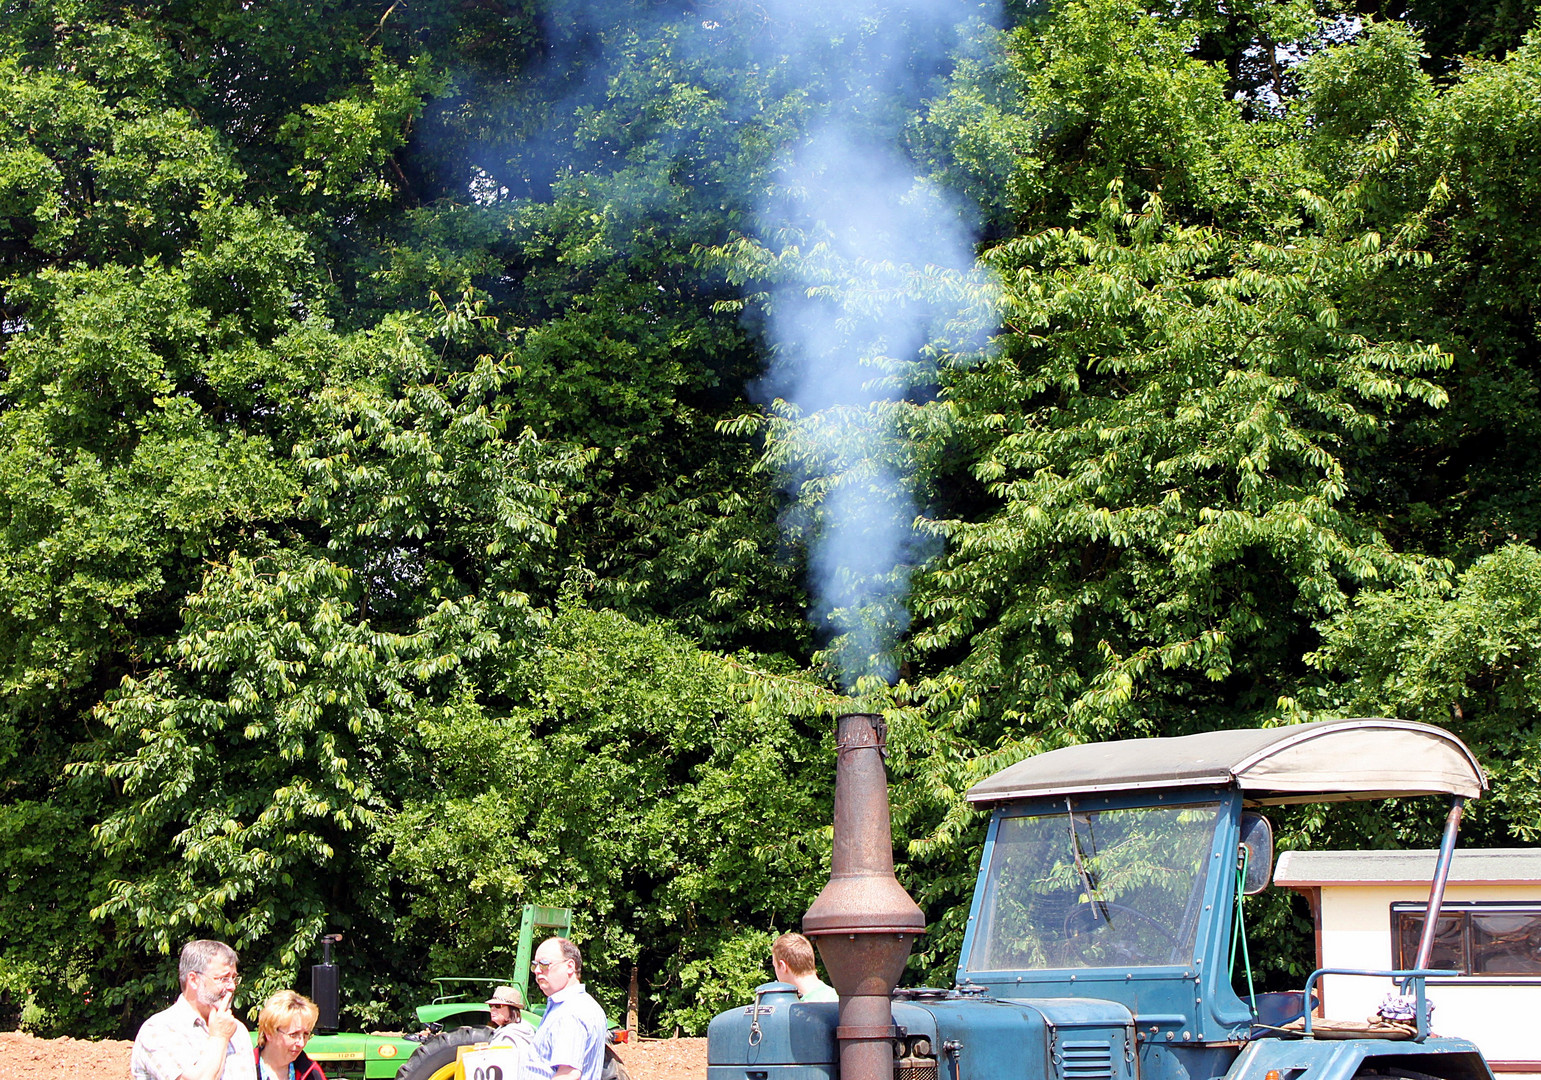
(663, 1059)
(24, 1057)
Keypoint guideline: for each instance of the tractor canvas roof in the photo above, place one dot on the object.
(1326, 761)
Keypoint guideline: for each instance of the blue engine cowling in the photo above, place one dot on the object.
(942, 1035)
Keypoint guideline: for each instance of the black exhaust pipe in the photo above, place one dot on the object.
(324, 986)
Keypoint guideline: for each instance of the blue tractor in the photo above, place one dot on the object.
(1103, 932)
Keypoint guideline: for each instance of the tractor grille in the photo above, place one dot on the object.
(915, 1070)
(1085, 1061)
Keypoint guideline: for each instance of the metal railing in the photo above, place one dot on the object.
(1402, 977)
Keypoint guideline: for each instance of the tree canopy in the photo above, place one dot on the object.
(424, 429)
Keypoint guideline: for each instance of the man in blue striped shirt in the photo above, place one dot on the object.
(570, 1042)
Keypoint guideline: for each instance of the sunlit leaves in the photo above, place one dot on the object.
(1463, 658)
(1165, 408)
(635, 784)
(253, 755)
(343, 145)
(425, 486)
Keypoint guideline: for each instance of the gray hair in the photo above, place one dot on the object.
(570, 952)
(198, 955)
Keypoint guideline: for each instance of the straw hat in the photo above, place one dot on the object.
(507, 995)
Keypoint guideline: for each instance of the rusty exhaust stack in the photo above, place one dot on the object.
(864, 923)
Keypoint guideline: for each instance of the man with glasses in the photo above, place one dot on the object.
(198, 1037)
(570, 1042)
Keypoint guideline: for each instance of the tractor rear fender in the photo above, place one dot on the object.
(1365, 1059)
(457, 1013)
(453, 1014)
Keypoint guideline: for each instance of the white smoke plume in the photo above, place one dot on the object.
(855, 231)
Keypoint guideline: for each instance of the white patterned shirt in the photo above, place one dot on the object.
(170, 1043)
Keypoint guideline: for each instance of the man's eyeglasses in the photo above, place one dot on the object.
(231, 980)
(540, 966)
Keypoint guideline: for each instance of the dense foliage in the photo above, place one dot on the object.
(401, 518)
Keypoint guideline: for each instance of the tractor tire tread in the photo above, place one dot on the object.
(441, 1050)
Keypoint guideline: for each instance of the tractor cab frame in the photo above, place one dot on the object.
(1099, 938)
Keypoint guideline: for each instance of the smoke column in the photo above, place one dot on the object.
(856, 231)
(857, 246)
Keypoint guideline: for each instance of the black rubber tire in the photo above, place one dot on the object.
(613, 1069)
(435, 1059)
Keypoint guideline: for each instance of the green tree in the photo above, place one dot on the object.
(635, 783)
(1462, 656)
(261, 481)
(374, 442)
(140, 379)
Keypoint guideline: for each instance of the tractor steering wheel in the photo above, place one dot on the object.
(1084, 918)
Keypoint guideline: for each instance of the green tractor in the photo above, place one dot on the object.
(456, 1017)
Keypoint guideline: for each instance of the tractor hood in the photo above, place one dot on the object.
(976, 1036)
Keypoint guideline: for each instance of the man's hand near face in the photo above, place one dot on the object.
(218, 992)
(221, 1019)
(197, 1037)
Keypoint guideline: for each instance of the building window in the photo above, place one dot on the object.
(1479, 939)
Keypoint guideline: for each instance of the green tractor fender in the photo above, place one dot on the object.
(374, 1057)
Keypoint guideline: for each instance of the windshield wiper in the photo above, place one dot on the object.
(1100, 906)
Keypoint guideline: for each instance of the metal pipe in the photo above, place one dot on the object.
(324, 986)
(863, 922)
(1437, 887)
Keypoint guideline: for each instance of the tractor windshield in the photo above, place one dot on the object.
(1105, 888)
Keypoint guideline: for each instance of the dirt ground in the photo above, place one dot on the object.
(23, 1057)
(666, 1059)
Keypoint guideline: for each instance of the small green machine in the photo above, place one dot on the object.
(457, 1014)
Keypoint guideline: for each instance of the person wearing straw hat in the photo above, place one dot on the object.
(510, 1027)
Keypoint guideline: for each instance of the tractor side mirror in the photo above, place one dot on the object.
(1257, 844)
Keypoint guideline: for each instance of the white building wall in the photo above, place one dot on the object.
(1503, 1019)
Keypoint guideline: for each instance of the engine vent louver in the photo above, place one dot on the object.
(1084, 1060)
